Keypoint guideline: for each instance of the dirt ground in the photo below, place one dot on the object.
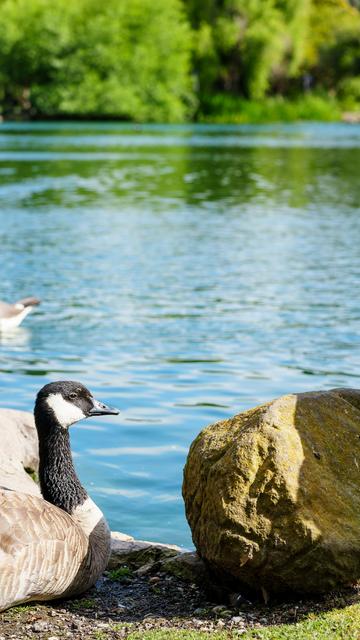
(115, 608)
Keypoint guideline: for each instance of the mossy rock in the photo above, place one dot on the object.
(125, 550)
(272, 495)
(187, 566)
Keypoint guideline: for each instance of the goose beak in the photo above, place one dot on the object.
(101, 409)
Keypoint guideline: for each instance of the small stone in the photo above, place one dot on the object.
(237, 619)
(146, 568)
(75, 625)
(196, 622)
(154, 579)
(39, 626)
(237, 600)
(220, 608)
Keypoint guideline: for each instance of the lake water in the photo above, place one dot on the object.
(187, 273)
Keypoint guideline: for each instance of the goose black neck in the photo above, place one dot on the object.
(58, 480)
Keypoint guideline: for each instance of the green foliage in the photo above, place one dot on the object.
(127, 59)
(100, 635)
(122, 574)
(168, 60)
(349, 90)
(223, 108)
(84, 603)
(253, 48)
(248, 43)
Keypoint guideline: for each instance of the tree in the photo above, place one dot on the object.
(333, 52)
(129, 59)
(243, 44)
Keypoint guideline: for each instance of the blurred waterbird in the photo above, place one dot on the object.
(56, 545)
(11, 315)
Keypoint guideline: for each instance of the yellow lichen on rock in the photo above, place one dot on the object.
(272, 495)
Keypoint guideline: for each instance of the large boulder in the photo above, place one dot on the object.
(272, 495)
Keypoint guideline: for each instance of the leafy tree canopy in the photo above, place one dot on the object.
(128, 58)
(161, 60)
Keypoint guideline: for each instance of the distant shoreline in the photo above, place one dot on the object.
(308, 108)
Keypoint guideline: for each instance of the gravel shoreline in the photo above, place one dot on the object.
(132, 603)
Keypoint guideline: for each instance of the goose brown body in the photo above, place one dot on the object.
(48, 552)
(43, 552)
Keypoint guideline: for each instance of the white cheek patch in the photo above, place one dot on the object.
(65, 412)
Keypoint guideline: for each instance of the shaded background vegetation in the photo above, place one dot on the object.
(170, 61)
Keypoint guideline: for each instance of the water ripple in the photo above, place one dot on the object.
(187, 273)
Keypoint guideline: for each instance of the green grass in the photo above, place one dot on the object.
(228, 109)
(84, 603)
(118, 626)
(105, 635)
(33, 475)
(21, 608)
(168, 634)
(339, 624)
(122, 574)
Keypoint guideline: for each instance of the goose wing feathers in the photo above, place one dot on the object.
(41, 549)
(30, 301)
(11, 310)
(8, 310)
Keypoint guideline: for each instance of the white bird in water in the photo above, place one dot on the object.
(11, 315)
(56, 545)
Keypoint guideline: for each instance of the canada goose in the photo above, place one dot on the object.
(11, 315)
(56, 545)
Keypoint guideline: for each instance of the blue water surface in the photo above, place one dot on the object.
(187, 273)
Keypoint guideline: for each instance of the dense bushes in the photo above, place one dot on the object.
(252, 48)
(124, 58)
(170, 60)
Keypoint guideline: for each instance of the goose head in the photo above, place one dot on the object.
(65, 402)
(59, 405)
